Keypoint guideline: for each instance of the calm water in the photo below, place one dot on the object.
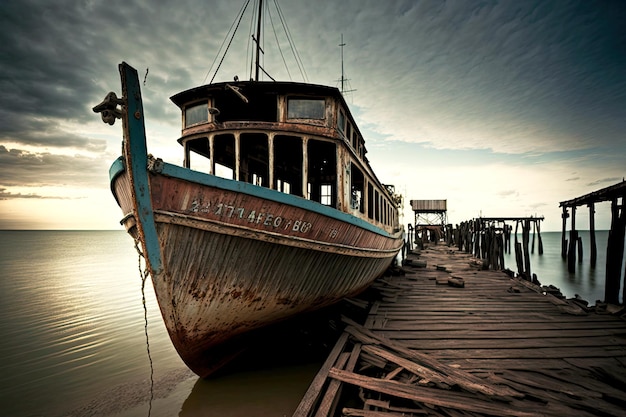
(72, 328)
(550, 268)
(73, 343)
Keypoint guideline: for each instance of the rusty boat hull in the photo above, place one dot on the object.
(227, 257)
(233, 261)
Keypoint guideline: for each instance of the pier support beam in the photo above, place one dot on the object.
(539, 237)
(592, 235)
(615, 252)
(573, 240)
(564, 216)
(616, 194)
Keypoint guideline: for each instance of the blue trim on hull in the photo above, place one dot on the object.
(136, 154)
(268, 194)
(202, 178)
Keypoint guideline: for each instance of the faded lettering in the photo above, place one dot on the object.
(266, 219)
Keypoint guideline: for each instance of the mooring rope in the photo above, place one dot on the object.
(143, 273)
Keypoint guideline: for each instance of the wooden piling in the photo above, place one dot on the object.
(614, 252)
(580, 249)
(564, 216)
(525, 239)
(573, 239)
(539, 237)
(616, 194)
(592, 235)
(532, 245)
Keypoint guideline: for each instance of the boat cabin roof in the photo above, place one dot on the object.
(255, 88)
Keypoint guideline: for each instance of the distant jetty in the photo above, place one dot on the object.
(616, 194)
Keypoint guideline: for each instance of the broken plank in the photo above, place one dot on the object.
(313, 392)
(432, 396)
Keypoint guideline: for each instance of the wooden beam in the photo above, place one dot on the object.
(592, 235)
(313, 393)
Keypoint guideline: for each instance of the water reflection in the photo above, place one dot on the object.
(550, 268)
(266, 392)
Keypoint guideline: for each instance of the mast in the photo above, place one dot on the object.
(342, 73)
(258, 40)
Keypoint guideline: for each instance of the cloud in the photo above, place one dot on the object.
(7, 195)
(610, 180)
(537, 86)
(508, 193)
(512, 77)
(37, 169)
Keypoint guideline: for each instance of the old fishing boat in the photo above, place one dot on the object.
(286, 217)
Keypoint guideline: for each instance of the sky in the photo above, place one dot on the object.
(502, 108)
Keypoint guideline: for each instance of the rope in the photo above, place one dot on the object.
(143, 273)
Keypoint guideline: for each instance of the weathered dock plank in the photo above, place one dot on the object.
(495, 346)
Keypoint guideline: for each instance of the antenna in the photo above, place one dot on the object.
(343, 79)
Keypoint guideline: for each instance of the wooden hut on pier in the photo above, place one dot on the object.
(616, 194)
(430, 219)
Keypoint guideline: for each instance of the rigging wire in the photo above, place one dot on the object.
(291, 42)
(238, 20)
(261, 42)
(280, 50)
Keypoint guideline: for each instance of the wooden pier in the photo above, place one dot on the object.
(616, 194)
(449, 338)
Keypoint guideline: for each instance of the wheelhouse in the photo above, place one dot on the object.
(294, 138)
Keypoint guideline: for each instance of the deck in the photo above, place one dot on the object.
(450, 339)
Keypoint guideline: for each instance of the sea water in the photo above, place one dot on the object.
(587, 282)
(73, 339)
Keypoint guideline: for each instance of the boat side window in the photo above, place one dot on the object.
(224, 158)
(232, 108)
(200, 147)
(349, 132)
(254, 159)
(370, 201)
(385, 211)
(288, 164)
(196, 114)
(300, 108)
(376, 205)
(341, 121)
(357, 189)
(322, 172)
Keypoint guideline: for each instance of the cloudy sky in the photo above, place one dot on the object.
(504, 108)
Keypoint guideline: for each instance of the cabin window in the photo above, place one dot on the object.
(341, 122)
(370, 201)
(196, 114)
(357, 188)
(322, 173)
(233, 108)
(200, 147)
(288, 164)
(224, 158)
(376, 206)
(298, 108)
(254, 159)
(326, 194)
(385, 211)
